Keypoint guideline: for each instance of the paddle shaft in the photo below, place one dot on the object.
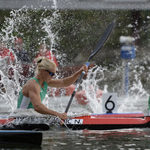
(74, 92)
(100, 44)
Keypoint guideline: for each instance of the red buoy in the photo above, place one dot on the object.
(82, 99)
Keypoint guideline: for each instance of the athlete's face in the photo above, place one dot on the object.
(49, 74)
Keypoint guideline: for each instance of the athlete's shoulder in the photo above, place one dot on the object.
(31, 84)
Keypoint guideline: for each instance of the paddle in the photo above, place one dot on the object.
(100, 44)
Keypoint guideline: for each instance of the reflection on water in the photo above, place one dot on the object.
(63, 139)
(132, 139)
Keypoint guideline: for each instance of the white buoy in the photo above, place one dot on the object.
(126, 39)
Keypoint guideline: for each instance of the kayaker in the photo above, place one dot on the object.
(34, 91)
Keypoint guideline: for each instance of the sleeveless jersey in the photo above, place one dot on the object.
(24, 102)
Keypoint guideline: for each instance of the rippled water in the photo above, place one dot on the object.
(95, 140)
(62, 139)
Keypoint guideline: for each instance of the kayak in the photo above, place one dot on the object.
(8, 124)
(109, 121)
(20, 138)
(15, 135)
(106, 121)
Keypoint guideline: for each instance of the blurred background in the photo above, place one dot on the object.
(70, 29)
(79, 25)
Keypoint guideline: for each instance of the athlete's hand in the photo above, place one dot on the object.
(63, 116)
(84, 68)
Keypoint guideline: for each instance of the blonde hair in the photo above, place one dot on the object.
(44, 63)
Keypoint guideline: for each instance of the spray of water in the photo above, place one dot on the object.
(108, 79)
(14, 26)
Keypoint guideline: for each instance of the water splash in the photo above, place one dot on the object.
(24, 23)
(108, 79)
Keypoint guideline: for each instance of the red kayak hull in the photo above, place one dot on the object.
(92, 122)
(109, 121)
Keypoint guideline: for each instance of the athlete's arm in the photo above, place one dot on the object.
(34, 95)
(68, 80)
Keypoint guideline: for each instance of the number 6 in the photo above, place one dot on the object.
(106, 105)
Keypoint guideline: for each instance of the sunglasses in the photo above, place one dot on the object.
(50, 73)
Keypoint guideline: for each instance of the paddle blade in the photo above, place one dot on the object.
(103, 39)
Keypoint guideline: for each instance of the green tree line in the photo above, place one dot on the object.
(77, 31)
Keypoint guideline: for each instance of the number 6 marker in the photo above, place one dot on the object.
(109, 102)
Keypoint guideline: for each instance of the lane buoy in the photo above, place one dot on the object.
(81, 97)
(69, 90)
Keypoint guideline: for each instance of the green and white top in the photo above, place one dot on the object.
(24, 102)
